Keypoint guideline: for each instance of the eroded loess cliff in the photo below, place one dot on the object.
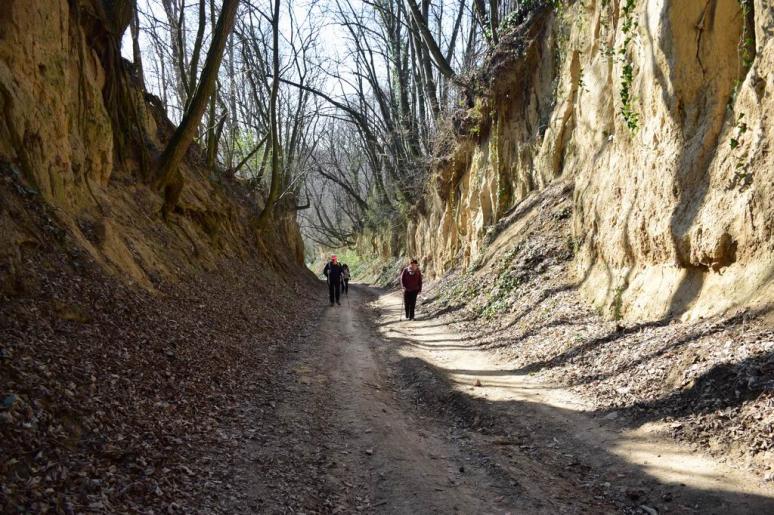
(128, 343)
(658, 113)
(78, 135)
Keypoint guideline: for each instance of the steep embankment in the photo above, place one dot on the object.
(601, 215)
(128, 343)
(80, 137)
(659, 115)
(708, 383)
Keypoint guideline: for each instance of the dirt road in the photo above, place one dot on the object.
(390, 416)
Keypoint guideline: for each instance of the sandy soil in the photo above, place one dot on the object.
(642, 468)
(389, 416)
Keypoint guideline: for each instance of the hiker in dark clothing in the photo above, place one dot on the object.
(333, 272)
(345, 279)
(411, 282)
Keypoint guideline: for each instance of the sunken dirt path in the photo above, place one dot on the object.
(381, 415)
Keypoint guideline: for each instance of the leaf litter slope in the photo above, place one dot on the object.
(117, 399)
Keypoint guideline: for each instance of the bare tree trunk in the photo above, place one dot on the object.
(233, 130)
(168, 176)
(493, 19)
(480, 9)
(450, 52)
(175, 15)
(276, 173)
(425, 73)
(432, 47)
(470, 46)
(134, 26)
(192, 71)
(212, 139)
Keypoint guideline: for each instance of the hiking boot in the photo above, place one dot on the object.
(339, 303)
(331, 304)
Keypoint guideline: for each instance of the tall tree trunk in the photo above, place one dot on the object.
(193, 70)
(450, 53)
(432, 47)
(494, 19)
(480, 10)
(175, 15)
(233, 127)
(168, 176)
(276, 173)
(134, 26)
(426, 75)
(211, 132)
(470, 46)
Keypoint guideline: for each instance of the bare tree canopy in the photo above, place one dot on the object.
(339, 102)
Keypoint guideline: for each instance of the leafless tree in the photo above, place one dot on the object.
(167, 175)
(352, 132)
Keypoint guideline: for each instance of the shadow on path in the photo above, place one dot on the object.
(568, 454)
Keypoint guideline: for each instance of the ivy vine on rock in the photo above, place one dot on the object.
(629, 26)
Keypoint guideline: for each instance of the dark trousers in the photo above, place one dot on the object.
(410, 300)
(345, 286)
(334, 287)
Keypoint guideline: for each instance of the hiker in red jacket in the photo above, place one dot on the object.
(411, 282)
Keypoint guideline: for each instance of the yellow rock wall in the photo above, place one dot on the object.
(57, 141)
(54, 120)
(671, 218)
